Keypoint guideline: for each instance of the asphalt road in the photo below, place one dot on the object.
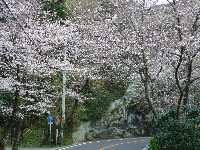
(114, 144)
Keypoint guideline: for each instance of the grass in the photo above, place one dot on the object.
(34, 139)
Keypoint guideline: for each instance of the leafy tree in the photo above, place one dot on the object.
(173, 134)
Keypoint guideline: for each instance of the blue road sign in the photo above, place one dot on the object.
(50, 118)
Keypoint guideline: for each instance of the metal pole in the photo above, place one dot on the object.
(63, 98)
(50, 133)
(56, 135)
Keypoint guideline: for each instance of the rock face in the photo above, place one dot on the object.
(126, 117)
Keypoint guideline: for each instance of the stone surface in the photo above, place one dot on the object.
(126, 117)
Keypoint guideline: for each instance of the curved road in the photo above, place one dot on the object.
(115, 144)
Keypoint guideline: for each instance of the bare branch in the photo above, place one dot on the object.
(159, 71)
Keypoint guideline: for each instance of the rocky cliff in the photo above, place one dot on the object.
(129, 116)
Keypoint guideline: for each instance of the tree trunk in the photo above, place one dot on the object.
(178, 82)
(187, 89)
(145, 80)
(45, 138)
(70, 119)
(187, 86)
(147, 97)
(8, 125)
(16, 143)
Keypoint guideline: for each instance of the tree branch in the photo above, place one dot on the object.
(177, 81)
(16, 19)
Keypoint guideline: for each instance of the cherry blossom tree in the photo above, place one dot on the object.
(30, 54)
(145, 40)
(167, 43)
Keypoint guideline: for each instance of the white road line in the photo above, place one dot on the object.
(90, 142)
(79, 144)
(84, 143)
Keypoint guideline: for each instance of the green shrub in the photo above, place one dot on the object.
(153, 145)
(165, 118)
(102, 94)
(175, 135)
(193, 113)
(57, 9)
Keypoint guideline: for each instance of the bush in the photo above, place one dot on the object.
(103, 94)
(153, 145)
(175, 135)
(193, 113)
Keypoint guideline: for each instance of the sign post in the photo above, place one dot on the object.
(57, 122)
(50, 118)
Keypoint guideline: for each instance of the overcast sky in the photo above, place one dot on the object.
(162, 1)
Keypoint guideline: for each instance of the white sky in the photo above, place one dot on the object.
(162, 2)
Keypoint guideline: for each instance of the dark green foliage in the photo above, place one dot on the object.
(105, 4)
(57, 9)
(6, 98)
(153, 145)
(3, 19)
(107, 7)
(95, 109)
(193, 113)
(103, 93)
(41, 17)
(62, 23)
(195, 99)
(175, 135)
(24, 123)
(165, 118)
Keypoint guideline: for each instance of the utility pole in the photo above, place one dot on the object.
(63, 98)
